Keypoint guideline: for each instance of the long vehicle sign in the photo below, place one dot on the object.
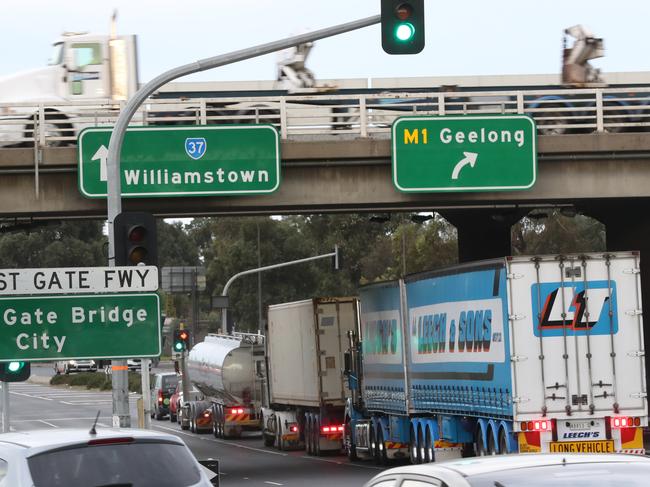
(75, 280)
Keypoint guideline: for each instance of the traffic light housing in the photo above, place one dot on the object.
(181, 341)
(402, 26)
(15, 371)
(135, 239)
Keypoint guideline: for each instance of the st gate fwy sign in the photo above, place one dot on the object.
(76, 280)
(464, 153)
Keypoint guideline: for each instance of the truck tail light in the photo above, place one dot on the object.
(293, 428)
(207, 413)
(332, 429)
(537, 425)
(160, 396)
(619, 422)
(237, 411)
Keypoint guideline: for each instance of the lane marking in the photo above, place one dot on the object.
(29, 395)
(271, 483)
(227, 443)
(49, 424)
(336, 462)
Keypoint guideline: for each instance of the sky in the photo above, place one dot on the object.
(463, 37)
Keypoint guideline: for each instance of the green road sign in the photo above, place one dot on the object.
(464, 153)
(81, 326)
(183, 161)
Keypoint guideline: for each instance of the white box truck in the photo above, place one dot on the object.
(305, 344)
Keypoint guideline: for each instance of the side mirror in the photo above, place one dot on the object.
(212, 470)
(347, 363)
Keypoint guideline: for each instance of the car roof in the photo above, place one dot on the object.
(47, 439)
(481, 465)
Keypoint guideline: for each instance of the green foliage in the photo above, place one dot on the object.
(67, 244)
(555, 233)
(95, 380)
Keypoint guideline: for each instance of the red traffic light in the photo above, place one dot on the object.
(403, 11)
(183, 335)
(137, 234)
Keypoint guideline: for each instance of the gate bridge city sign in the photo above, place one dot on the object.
(79, 312)
(464, 153)
(183, 161)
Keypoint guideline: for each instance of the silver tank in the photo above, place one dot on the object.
(229, 368)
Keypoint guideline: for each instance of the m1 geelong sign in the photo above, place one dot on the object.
(80, 326)
(464, 153)
(183, 161)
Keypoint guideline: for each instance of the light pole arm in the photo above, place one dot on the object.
(224, 321)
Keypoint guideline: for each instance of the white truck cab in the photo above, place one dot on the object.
(83, 67)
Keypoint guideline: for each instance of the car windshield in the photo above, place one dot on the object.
(139, 464)
(169, 381)
(570, 475)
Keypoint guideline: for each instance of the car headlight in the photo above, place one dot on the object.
(73, 362)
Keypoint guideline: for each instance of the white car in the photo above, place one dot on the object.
(527, 470)
(69, 457)
(67, 366)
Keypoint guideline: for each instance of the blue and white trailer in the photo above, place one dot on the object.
(518, 354)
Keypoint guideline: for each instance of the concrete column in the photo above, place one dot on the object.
(482, 234)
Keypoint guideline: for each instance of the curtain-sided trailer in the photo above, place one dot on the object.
(520, 354)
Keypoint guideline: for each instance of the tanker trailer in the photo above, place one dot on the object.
(228, 370)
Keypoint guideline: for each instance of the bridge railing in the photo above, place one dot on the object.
(556, 112)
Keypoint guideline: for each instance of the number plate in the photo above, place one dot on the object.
(606, 446)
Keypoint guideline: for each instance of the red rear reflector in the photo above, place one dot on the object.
(110, 441)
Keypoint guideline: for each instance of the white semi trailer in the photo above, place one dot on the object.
(305, 343)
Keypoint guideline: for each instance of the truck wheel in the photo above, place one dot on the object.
(428, 447)
(381, 457)
(350, 447)
(503, 443)
(279, 444)
(317, 435)
(414, 450)
(492, 447)
(479, 446)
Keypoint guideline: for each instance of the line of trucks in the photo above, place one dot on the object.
(516, 354)
(87, 71)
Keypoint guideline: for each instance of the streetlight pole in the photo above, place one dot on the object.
(121, 414)
(224, 313)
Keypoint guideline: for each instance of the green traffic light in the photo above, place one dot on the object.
(178, 346)
(404, 32)
(15, 366)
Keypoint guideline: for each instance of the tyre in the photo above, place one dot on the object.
(308, 436)
(268, 439)
(422, 446)
(414, 450)
(350, 447)
(491, 446)
(503, 443)
(381, 457)
(158, 414)
(429, 452)
(549, 121)
(479, 446)
(279, 443)
(316, 435)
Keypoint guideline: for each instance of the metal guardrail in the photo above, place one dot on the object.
(366, 115)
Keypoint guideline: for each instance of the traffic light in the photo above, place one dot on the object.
(15, 371)
(135, 239)
(181, 340)
(402, 26)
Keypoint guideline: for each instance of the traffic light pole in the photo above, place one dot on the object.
(121, 414)
(5, 407)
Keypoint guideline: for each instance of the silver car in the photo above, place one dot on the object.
(67, 457)
(527, 470)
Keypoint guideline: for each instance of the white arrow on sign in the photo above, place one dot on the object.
(102, 155)
(470, 158)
